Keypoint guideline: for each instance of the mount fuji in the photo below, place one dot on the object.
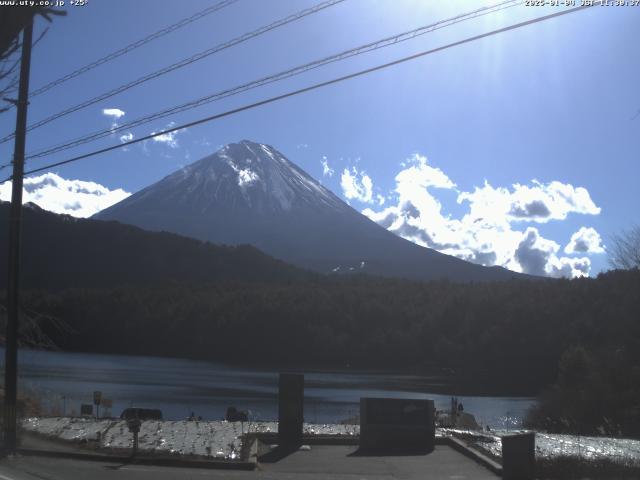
(249, 193)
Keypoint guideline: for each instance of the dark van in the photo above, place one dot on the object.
(141, 414)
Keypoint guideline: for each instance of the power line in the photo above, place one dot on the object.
(385, 42)
(182, 63)
(134, 45)
(312, 87)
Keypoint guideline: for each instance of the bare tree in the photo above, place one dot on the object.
(624, 252)
(32, 329)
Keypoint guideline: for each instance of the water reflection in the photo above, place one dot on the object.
(179, 387)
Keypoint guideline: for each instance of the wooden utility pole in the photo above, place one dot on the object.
(15, 229)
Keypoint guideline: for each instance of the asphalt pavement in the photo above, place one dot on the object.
(325, 462)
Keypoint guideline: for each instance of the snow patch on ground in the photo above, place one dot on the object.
(552, 445)
(247, 177)
(223, 440)
(213, 439)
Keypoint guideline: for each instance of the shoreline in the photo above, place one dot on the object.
(222, 440)
(446, 380)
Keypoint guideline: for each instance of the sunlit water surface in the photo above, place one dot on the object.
(178, 387)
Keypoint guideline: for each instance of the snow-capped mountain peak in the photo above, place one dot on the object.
(250, 193)
(251, 175)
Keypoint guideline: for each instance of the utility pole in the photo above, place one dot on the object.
(15, 228)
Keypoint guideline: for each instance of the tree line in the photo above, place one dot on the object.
(508, 336)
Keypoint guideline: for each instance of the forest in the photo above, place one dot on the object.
(577, 341)
(110, 288)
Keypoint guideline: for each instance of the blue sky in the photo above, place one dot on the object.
(443, 139)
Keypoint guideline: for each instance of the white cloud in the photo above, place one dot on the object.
(326, 169)
(488, 232)
(124, 138)
(417, 216)
(535, 203)
(73, 197)
(114, 113)
(170, 138)
(417, 174)
(537, 256)
(585, 240)
(356, 188)
(533, 252)
(569, 267)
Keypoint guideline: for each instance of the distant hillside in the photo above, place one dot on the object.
(186, 298)
(60, 251)
(501, 336)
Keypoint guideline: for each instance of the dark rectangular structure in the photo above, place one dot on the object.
(86, 409)
(290, 408)
(392, 424)
(519, 456)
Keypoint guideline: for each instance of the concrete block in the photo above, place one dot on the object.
(519, 456)
(394, 424)
(290, 408)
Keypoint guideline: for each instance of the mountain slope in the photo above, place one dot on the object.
(60, 251)
(250, 193)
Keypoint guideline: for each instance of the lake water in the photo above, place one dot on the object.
(178, 387)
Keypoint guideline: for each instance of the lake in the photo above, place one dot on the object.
(178, 387)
